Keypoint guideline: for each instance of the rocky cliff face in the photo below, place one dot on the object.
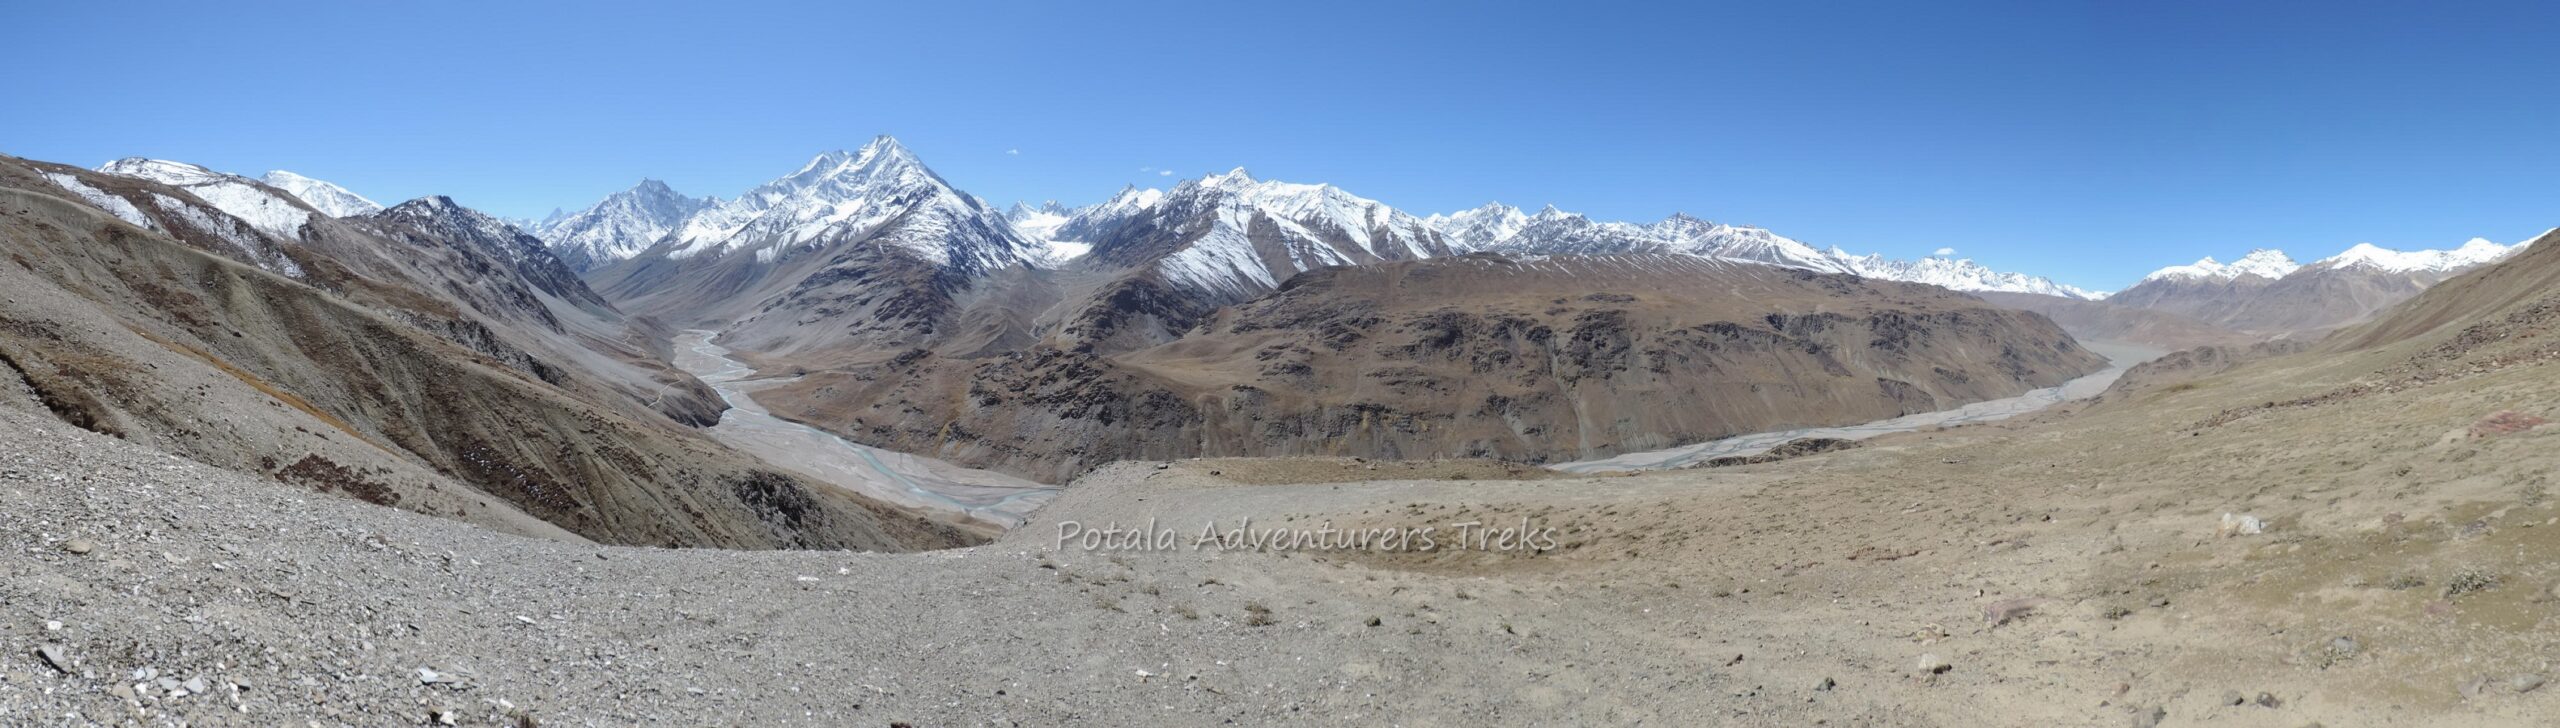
(1481, 355)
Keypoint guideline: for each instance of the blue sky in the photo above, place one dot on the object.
(2090, 142)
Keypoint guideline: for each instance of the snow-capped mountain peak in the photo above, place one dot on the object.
(2265, 262)
(1086, 224)
(1233, 179)
(880, 193)
(1481, 227)
(620, 226)
(1236, 237)
(330, 199)
(1047, 209)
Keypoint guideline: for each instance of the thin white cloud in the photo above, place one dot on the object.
(1164, 173)
(1144, 170)
(1013, 152)
(1944, 251)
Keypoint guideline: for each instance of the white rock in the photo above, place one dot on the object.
(2237, 524)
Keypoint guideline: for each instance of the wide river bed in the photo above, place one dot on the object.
(899, 478)
(2119, 358)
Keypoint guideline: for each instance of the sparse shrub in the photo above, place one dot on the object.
(2404, 582)
(1256, 615)
(2469, 580)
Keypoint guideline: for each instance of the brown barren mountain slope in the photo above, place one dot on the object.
(155, 336)
(1476, 356)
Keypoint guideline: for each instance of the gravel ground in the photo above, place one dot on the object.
(173, 593)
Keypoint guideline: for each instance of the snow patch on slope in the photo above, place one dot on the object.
(117, 206)
(262, 207)
(328, 198)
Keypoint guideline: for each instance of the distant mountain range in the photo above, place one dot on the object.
(629, 222)
(1218, 240)
(1052, 235)
(2265, 293)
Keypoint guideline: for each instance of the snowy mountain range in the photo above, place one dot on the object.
(1233, 234)
(1069, 232)
(879, 193)
(2274, 264)
(1500, 227)
(2263, 263)
(861, 194)
(2476, 251)
(1956, 274)
(2267, 293)
(867, 249)
(1250, 234)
